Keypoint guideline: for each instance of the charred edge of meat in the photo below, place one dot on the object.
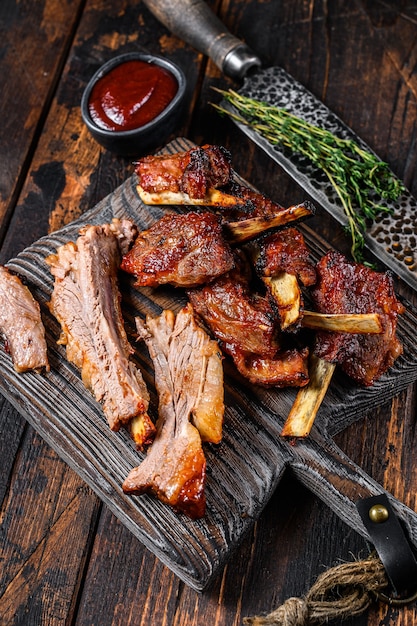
(192, 172)
(347, 287)
(250, 228)
(254, 203)
(209, 166)
(288, 368)
(21, 324)
(184, 250)
(285, 251)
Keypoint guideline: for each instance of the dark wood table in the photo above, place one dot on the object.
(64, 557)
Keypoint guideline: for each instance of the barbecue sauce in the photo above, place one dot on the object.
(131, 95)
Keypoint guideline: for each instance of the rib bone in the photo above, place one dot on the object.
(308, 399)
(244, 230)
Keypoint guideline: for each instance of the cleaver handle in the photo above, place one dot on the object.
(195, 23)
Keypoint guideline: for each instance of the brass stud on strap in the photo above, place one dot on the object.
(378, 513)
(393, 548)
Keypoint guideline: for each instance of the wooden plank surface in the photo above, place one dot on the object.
(35, 38)
(360, 58)
(251, 451)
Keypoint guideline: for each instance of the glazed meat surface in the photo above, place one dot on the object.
(286, 251)
(86, 302)
(283, 264)
(184, 250)
(192, 172)
(345, 287)
(253, 203)
(240, 319)
(245, 324)
(21, 324)
(189, 382)
(287, 368)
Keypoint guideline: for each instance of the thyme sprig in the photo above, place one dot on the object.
(360, 179)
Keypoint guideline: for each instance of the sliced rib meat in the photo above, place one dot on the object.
(86, 302)
(192, 172)
(189, 382)
(245, 324)
(183, 250)
(347, 287)
(21, 324)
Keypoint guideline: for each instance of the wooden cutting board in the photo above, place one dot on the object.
(244, 469)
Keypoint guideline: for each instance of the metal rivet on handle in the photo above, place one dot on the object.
(378, 513)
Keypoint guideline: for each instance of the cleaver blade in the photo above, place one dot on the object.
(392, 237)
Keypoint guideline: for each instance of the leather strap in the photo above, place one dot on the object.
(390, 542)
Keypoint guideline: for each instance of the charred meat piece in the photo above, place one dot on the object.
(189, 381)
(245, 324)
(286, 251)
(241, 319)
(21, 324)
(282, 263)
(288, 368)
(252, 203)
(346, 287)
(86, 302)
(184, 250)
(193, 172)
(200, 176)
(208, 167)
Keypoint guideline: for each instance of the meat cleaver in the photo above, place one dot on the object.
(392, 237)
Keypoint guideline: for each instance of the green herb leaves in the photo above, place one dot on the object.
(359, 178)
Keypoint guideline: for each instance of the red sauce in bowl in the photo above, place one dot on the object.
(131, 95)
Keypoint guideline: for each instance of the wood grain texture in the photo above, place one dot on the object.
(27, 82)
(60, 509)
(70, 173)
(66, 415)
(360, 58)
